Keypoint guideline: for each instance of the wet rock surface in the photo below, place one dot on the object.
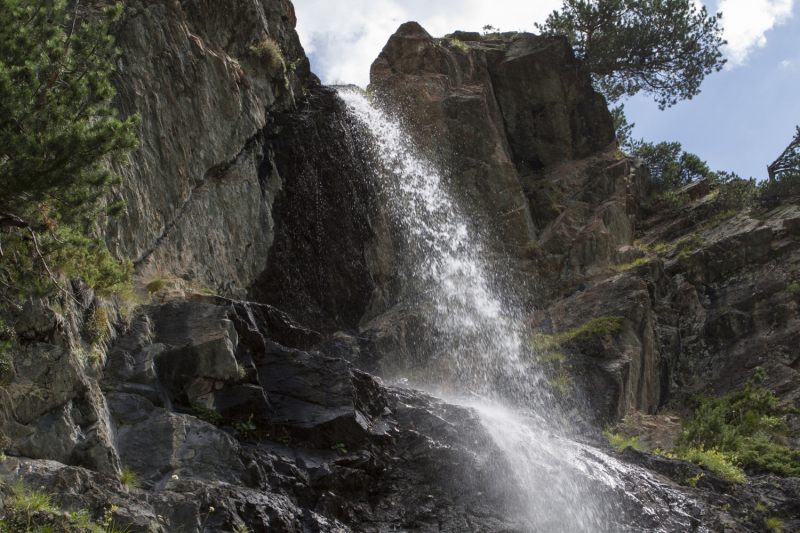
(332, 252)
(329, 448)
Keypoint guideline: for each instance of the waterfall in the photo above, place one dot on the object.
(481, 342)
(558, 485)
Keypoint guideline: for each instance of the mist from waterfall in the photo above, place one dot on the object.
(481, 352)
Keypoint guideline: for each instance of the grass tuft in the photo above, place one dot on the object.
(129, 478)
(269, 53)
(156, 285)
(773, 523)
(603, 328)
(620, 441)
(622, 268)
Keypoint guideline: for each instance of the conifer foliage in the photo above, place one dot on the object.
(58, 138)
(659, 47)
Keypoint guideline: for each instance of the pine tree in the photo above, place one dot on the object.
(58, 138)
(660, 47)
(670, 166)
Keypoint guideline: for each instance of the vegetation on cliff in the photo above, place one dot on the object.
(746, 425)
(659, 47)
(31, 510)
(59, 137)
(743, 430)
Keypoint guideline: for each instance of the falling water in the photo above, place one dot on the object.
(480, 335)
(562, 486)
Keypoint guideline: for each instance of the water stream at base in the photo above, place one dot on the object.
(563, 487)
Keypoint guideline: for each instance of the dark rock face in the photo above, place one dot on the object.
(328, 221)
(52, 410)
(188, 70)
(550, 112)
(197, 351)
(493, 109)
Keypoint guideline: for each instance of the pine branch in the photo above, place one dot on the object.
(40, 103)
(47, 268)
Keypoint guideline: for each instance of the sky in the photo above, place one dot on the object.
(741, 121)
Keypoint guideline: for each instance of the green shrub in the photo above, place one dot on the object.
(269, 53)
(760, 453)
(95, 357)
(735, 193)
(96, 327)
(692, 481)
(31, 510)
(773, 523)
(245, 427)
(620, 441)
(597, 328)
(718, 462)
(784, 187)
(456, 43)
(670, 167)
(206, 414)
(741, 426)
(671, 199)
(25, 504)
(156, 285)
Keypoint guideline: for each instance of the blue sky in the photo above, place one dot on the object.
(741, 121)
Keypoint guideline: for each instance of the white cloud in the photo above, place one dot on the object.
(345, 36)
(747, 21)
(785, 64)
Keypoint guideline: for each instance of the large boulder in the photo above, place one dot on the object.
(53, 410)
(319, 400)
(196, 348)
(164, 444)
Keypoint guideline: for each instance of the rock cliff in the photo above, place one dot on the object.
(253, 407)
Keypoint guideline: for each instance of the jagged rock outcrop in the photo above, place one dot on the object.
(528, 150)
(329, 448)
(199, 204)
(491, 110)
(248, 178)
(53, 410)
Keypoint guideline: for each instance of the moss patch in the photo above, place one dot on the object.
(603, 328)
(622, 268)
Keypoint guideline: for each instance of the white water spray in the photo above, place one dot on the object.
(560, 486)
(481, 336)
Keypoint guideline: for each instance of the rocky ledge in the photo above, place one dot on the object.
(229, 417)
